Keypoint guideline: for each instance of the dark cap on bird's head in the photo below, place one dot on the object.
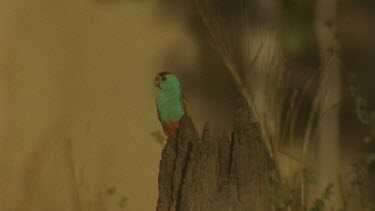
(159, 78)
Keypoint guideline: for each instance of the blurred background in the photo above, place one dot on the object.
(78, 122)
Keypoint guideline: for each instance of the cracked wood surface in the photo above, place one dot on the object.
(215, 172)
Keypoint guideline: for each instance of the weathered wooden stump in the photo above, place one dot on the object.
(214, 172)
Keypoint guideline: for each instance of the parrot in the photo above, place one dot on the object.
(171, 103)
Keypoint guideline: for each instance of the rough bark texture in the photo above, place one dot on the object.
(214, 172)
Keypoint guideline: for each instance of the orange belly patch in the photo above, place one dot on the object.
(170, 128)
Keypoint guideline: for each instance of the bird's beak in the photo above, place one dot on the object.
(157, 81)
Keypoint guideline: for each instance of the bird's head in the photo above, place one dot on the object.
(166, 79)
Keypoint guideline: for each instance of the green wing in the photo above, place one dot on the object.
(157, 109)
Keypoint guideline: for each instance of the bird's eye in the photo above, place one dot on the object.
(157, 80)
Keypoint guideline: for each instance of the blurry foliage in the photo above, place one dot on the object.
(158, 136)
(320, 203)
(289, 91)
(359, 50)
(279, 107)
(357, 30)
(115, 2)
(123, 202)
(286, 195)
(298, 32)
(364, 168)
(111, 190)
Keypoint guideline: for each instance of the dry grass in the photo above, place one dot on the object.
(253, 58)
